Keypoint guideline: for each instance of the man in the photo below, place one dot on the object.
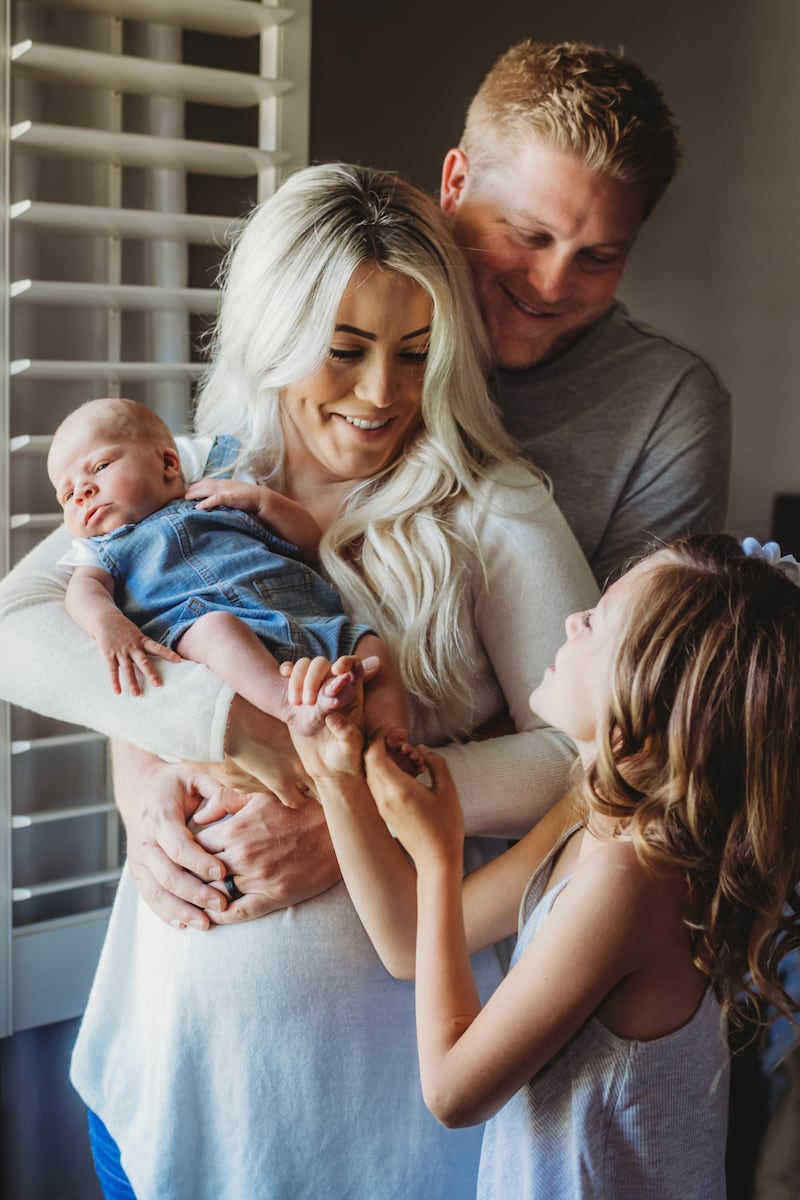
(566, 150)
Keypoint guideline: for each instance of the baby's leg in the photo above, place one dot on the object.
(386, 703)
(232, 650)
(221, 641)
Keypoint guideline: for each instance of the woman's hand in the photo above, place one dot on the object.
(233, 493)
(427, 820)
(278, 856)
(156, 799)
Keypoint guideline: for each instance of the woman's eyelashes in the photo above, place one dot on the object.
(415, 358)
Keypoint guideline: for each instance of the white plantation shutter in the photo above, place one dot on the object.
(135, 132)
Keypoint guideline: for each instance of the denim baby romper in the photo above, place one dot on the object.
(182, 562)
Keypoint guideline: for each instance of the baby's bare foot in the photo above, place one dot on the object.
(340, 693)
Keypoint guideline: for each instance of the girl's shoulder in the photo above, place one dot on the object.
(636, 911)
(647, 900)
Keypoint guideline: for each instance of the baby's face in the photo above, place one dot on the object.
(104, 480)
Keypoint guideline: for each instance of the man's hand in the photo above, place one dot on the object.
(278, 856)
(156, 799)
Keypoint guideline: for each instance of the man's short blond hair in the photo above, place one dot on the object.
(579, 98)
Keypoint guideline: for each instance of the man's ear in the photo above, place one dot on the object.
(172, 463)
(455, 173)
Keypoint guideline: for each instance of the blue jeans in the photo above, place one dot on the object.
(105, 1152)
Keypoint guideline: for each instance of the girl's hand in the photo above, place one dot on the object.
(427, 821)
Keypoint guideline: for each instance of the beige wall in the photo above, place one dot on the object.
(718, 265)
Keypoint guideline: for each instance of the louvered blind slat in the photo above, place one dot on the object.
(117, 223)
(122, 223)
(142, 150)
(133, 296)
(124, 73)
(62, 369)
(233, 18)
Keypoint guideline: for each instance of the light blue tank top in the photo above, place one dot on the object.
(611, 1118)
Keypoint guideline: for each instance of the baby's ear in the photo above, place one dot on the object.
(172, 463)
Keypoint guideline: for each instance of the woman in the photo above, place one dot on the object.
(348, 360)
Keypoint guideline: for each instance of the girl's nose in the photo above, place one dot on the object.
(573, 623)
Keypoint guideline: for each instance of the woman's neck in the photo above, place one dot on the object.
(321, 498)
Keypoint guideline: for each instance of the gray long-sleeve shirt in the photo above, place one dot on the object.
(634, 431)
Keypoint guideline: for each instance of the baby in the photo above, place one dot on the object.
(155, 573)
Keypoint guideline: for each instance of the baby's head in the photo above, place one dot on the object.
(699, 753)
(112, 462)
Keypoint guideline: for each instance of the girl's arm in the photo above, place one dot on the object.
(285, 517)
(90, 603)
(379, 877)
(473, 1060)
(429, 823)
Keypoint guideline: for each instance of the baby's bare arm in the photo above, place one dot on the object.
(90, 603)
(283, 516)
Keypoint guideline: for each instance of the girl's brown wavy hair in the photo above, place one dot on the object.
(700, 759)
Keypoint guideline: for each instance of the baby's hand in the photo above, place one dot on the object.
(427, 821)
(127, 651)
(211, 493)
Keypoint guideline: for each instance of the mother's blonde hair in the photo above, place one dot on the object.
(394, 552)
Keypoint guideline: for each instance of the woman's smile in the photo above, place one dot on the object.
(352, 417)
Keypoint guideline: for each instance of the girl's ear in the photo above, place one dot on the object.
(172, 463)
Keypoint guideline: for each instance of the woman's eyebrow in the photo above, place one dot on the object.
(373, 337)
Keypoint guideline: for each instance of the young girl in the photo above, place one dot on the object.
(663, 886)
